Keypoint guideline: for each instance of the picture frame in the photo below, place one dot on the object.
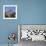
(9, 11)
(36, 32)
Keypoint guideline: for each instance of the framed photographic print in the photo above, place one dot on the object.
(9, 11)
(33, 32)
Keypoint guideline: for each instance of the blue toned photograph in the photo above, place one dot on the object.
(10, 11)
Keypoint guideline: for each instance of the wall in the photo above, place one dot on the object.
(28, 12)
(7, 26)
(33, 12)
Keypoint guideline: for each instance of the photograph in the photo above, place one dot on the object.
(31, 33)
(9, 11)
